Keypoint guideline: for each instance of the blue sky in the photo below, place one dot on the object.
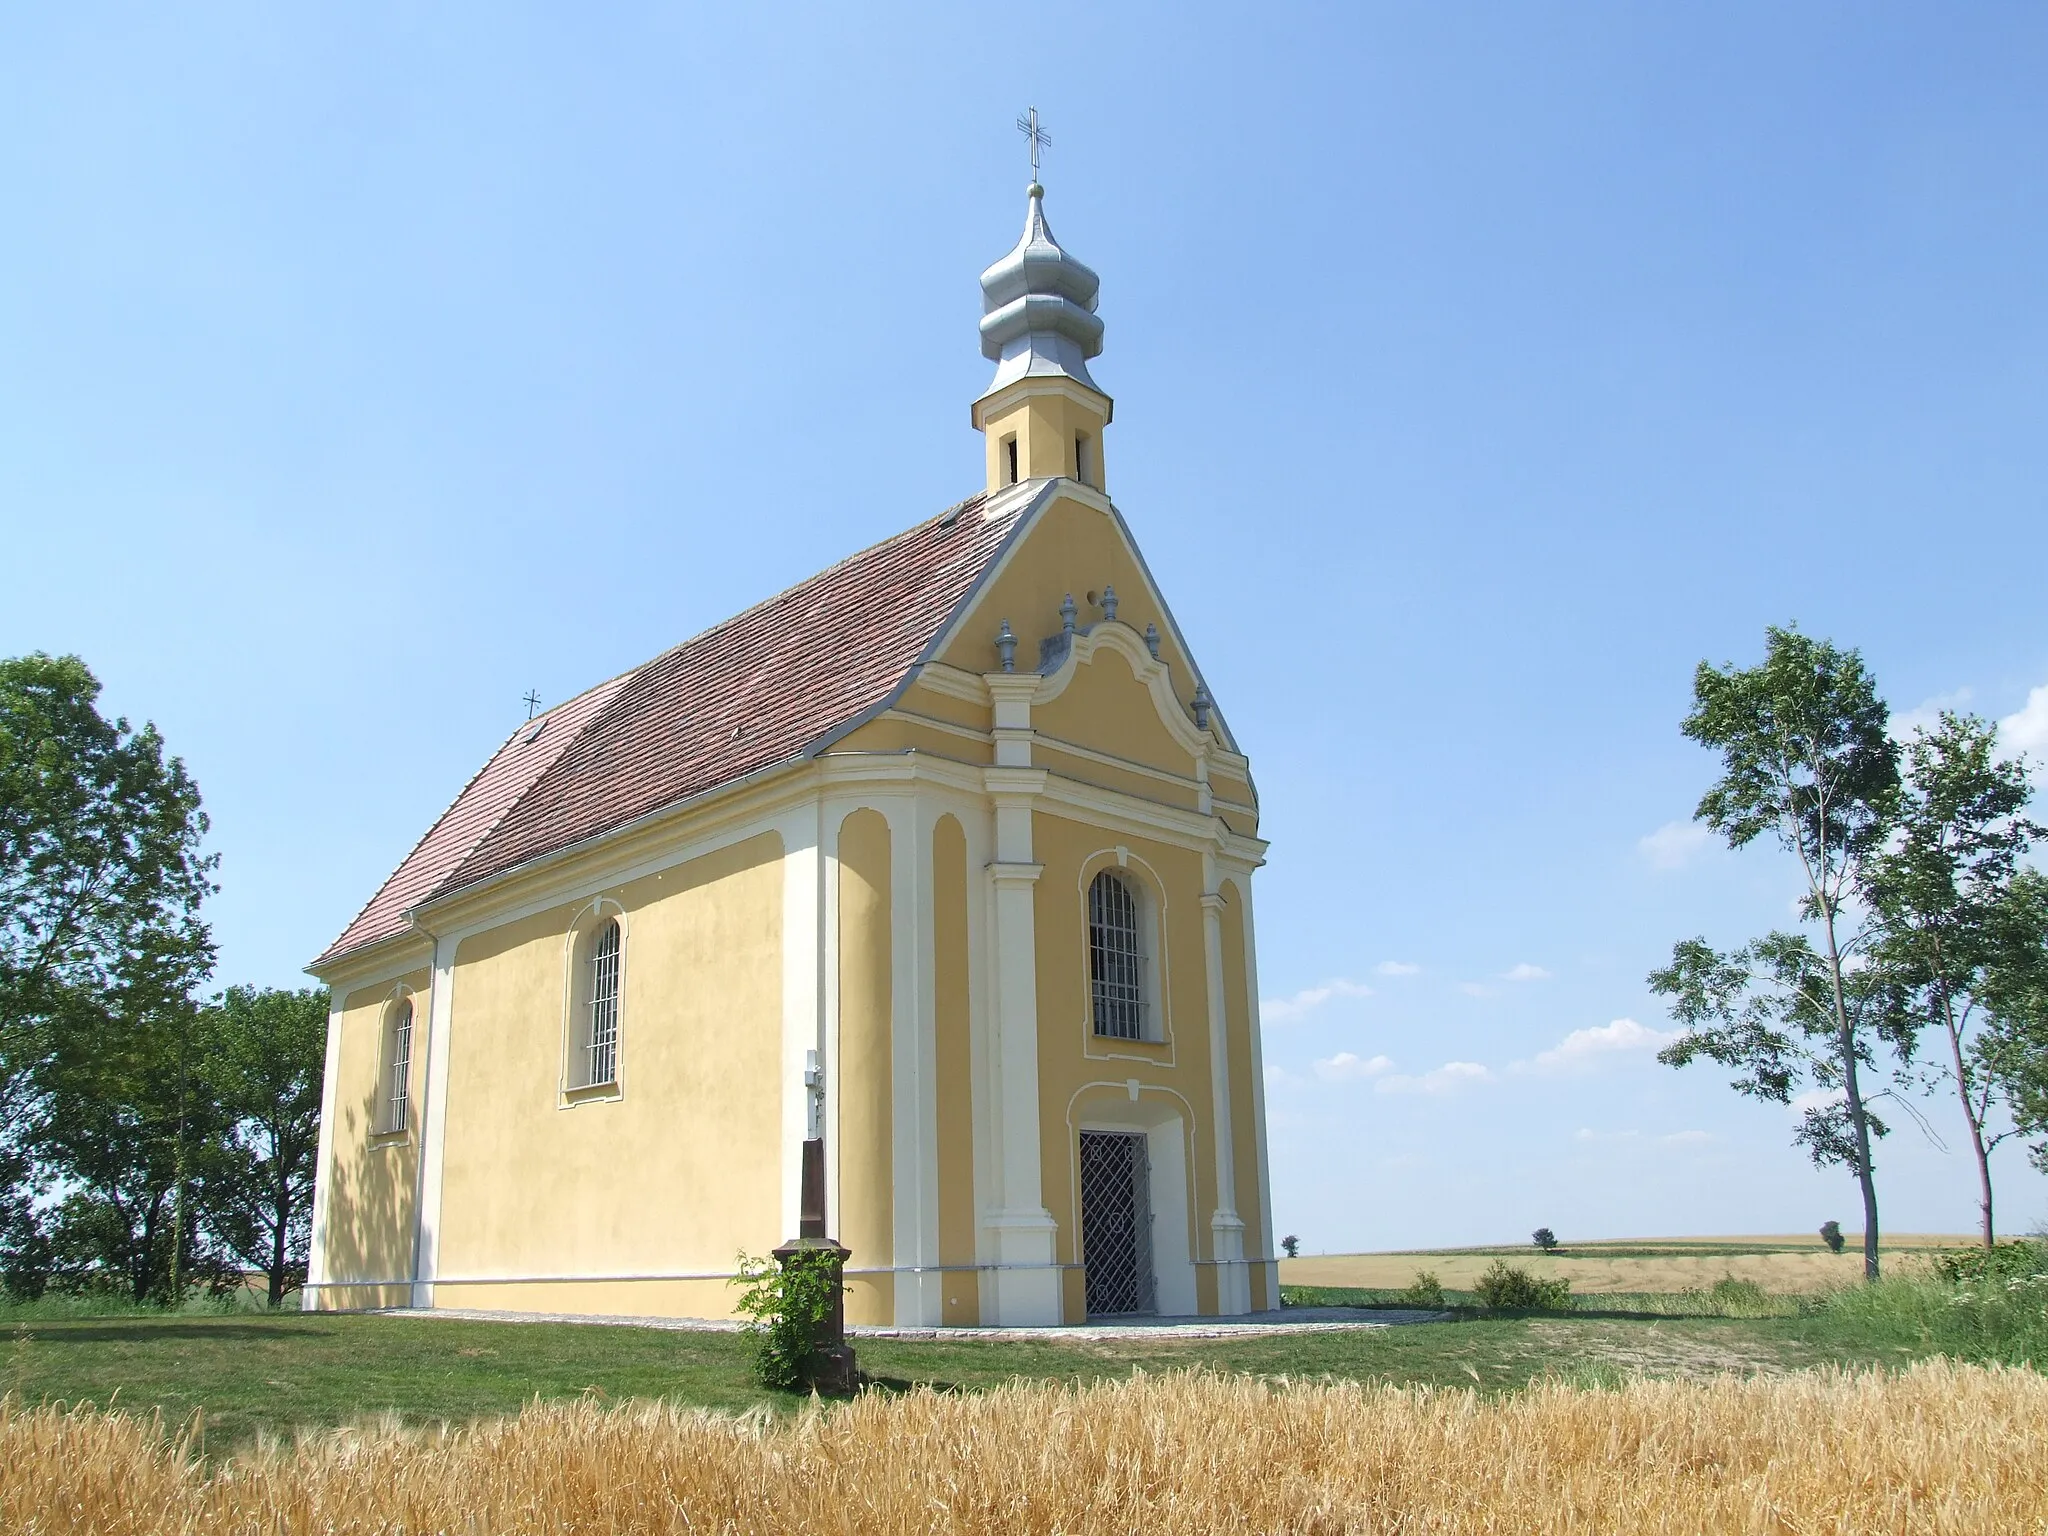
(1478, 371)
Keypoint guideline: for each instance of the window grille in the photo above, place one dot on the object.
(1116, 967)
(602, 1062)
(1116, 1223)
(400, 1070)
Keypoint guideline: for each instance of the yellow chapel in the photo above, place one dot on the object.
(942, 858)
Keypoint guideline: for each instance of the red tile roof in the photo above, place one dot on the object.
(772, 685)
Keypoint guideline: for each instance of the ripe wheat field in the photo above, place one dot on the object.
(1938, 1447)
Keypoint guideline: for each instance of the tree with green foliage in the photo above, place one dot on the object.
(125, 1129)
(1805, 759)
(262, 1058)
(2014, 1048)
(1941, 896)
(99, 848)
(101, 946)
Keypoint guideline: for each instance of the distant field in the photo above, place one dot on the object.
(1786, 1265)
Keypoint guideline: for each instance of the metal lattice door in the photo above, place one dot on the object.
(1116, 1222)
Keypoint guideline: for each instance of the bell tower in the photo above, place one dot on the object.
(1043, 414)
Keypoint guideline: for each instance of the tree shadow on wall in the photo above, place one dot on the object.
(369, 1208)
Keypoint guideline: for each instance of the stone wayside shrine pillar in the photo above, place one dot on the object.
(836, 1374)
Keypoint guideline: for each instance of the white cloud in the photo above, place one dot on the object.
(1583, 1047)
(1289, 1010)
(2026, 730)
(1669, 1139)
(1526, 972)
(1345, 1067)
(1448, 1078)
(1674, 845)
(1280, 1077)
(1474, 989)
(1815, 1098)
(1926, 714)
(1397, 968)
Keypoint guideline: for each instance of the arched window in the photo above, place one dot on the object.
(1116, 964)
(398, 1067)
(601, 1064)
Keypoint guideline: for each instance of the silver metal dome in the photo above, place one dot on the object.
(1038, 308)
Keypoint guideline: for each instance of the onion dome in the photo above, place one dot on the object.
(1038, 308)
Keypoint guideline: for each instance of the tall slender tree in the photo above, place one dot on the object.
(1805, 759)
(1941, 894)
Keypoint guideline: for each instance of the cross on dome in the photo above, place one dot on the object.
(1028, 125)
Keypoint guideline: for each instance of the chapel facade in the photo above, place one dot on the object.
(943, 856)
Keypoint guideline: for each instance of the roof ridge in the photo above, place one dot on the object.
(865, 550)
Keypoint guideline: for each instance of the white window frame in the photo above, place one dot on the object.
(1134, 1010)
(394, 1067)
(601, 1006)
(583, 1054)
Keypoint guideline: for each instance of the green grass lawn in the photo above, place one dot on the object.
(282, 1372)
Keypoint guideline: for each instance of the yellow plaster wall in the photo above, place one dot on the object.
(1106, 707)
(925, 700)
(1112, 776)
(1071, 548)
(680, 1169)
(895, 732)
(953, 1073)
(1069, 1053)
(371, 1182)
(1045, 424)
(865, 1066)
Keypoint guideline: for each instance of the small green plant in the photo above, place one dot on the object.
(1505, 1288)
(1545, 1239)
(785, 1305)
(1732, 1297)
(1831, 1234)
(1425, 1290)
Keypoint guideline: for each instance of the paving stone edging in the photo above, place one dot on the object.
(1252, 1325)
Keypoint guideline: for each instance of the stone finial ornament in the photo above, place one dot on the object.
(1203, 704)
(1109, 602)
(1067, 612)
(1152, 640)
(1006, 646)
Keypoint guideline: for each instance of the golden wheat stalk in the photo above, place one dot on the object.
(1936, 1448)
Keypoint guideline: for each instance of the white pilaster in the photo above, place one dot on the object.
(913, 1035)
(802, 982)
(1023, 1237)
(1226, 1228)
(434, 1126)
(1267, 1241)
(323, 1167)
(830, 814)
